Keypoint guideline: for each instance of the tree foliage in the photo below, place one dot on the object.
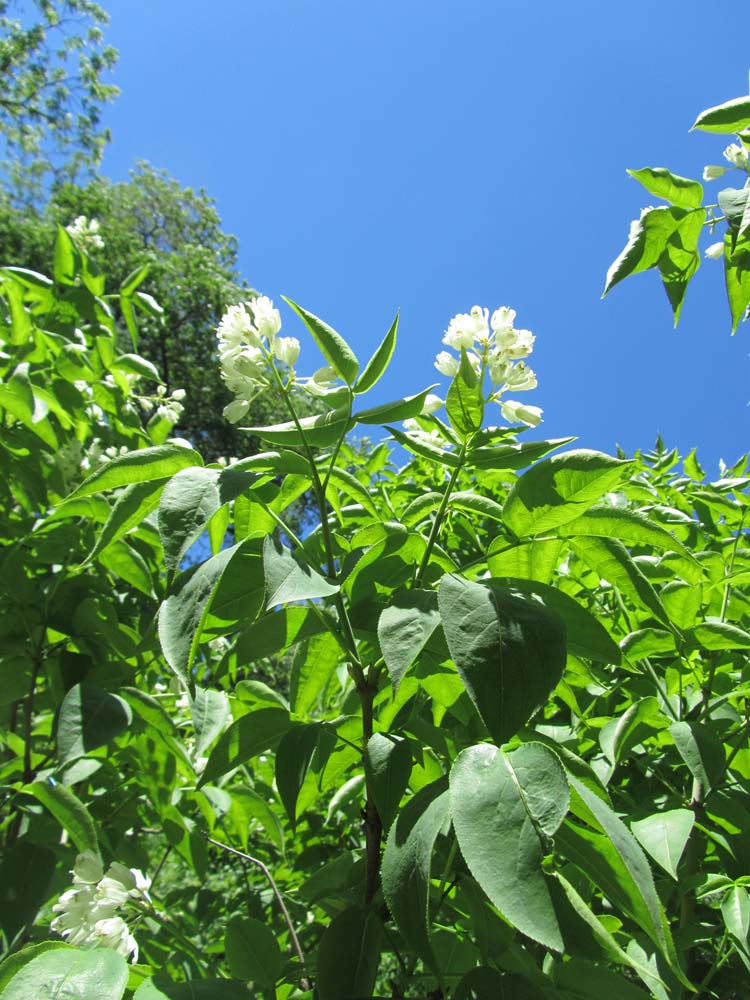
(53, 67)
(151, 219)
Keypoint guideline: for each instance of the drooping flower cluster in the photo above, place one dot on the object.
(85, 232)
(736, 155)
(88, 913)
(248, 342)
(494, 345)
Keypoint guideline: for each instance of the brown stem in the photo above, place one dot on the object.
(373, 824)
(305, 983)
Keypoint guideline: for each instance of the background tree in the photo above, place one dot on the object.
(193, 276)
(52, 63)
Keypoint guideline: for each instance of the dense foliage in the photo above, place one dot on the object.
(193, 275)
(511, 759)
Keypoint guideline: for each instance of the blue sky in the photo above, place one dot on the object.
(433, 156)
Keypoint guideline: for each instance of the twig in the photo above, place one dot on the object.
(305, 983)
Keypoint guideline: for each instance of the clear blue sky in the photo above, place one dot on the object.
(433, 155)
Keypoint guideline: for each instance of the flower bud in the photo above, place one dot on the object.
(713, 171)
(286, 349)
(515, 412)
(432, 403)
(446, 364)
(715, 251)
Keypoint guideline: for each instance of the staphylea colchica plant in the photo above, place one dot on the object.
(510, 758)
(667, 236)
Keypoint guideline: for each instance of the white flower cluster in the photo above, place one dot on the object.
(169, 408)
(493, 344)
(248, 341)
(88, 912)
(736, 155)
(85, 232)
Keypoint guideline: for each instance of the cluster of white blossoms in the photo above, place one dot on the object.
(248, 342)
(736, 155)
(493, 344)
(88, 913)
(85, 232)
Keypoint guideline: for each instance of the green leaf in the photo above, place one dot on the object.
(253, 952)
(625, 731)
(126, 562)
(717, 635)
(70, 973)
(378, 363)
(319, 431)
(131, 508)
(134, 279)
(680, 191)
(585, 635)
(737, 278)
(342, 481)
(399, 409)
(437, 455)
(210, 710)
(293, 758)
(26, 872)
(250, 735)
(404, 629)
(477, 504)
(89, 718)
(134, 364)
(159, 988)
(681, 259)
(588, 981)
(647, 241)
(560, 489)
(508, 650)
(14, 962)
(407, 862)
(530, 561)
(68, 260)
(512, 456)
(505, 809)
(609, 558)
(349, 954)
(139, 467)
(289, 578)
(69, 811)
(701, 751)
(275, 632)
(188, 502)
(735, 205)
(648, 642)
(387, 769)
(464, 403)
(735, 909)
(664, 836)
(731, 117)
(315, 659)
(332, 345)
(608, 853)
(183, 614)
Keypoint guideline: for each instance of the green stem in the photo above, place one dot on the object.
(438, 522)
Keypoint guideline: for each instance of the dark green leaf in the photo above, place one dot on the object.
(26, 872)
(438, 455)
(405, 627)
(250, 735)
(89, 718)
(509, 651)
(465, 402)
(293, 758)
(387, 768)
(505, 809)
(131, 508)
(349, 954)
(69, 811)
(210, 710)
(512, 456)
(609, 558)
(399, 409)
(289, 578)
(407, 861)
(664, 835)
(320, 431)
(188, 502)
(646, 243)
(253, 952)
(70, 973)
(701, 751)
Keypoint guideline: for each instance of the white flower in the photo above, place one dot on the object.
(499, 367)
(521, 377)
(87, 869)
(432, 403)
(112, 932)
(515, 412)
(715, 251)
(267, 319)
(85, 233)
(430, 438)
(236, 327)
(503, 318)
(515, 343)
(286, 349)
(179, 394)
(713, 171)
(322, 381)
(446, 364)
(736, 155)
(465, 328)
